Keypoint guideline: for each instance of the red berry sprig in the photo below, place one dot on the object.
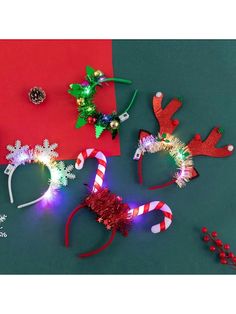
(225, 256)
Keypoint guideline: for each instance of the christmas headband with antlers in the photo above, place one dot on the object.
(182, 154)
(44, 155)
(109, 208)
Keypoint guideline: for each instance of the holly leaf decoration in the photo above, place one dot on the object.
(75, 92)
(89, 71)
(80, 122)
(75, 86)
(98, 130)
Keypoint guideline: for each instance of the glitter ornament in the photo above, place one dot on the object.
(84, 94)
(181, 153)
(43, 154)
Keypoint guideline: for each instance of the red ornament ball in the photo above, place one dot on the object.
(222, 255)
(224, 261)
(214, 234)
(204, 230)
(90, 120)
(206, 238)
(231, 255)
(212, 248)
(94, 120)
(226, 246)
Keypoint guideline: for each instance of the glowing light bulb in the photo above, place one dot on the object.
(22, 157)
(48, 195)
(44, 159)
(55, 176)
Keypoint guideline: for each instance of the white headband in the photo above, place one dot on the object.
(45, 155)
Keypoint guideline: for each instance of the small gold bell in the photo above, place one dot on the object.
(80, 101)
(98, 73)
(114, 124)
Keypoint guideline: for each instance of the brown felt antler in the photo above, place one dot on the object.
(167, 125)
(207, 147)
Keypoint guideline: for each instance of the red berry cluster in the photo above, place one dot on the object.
(91, 120)
(223, 250)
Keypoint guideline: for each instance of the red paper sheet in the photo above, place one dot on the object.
(52, 65)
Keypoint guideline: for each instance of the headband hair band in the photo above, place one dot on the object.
(88, 113)
(109, 208)
(182, 154)
(44, 155)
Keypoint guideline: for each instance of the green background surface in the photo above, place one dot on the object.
(203, 73)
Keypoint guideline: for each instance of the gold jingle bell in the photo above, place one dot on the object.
(114, 124)
(98, 73)
(80, 101)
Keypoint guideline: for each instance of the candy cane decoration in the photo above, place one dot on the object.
(102, 164)
(155, 205)
(109, 208)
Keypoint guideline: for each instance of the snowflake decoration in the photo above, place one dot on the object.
(65, 172)
(47, 149)
(19, 154)
(3, 218)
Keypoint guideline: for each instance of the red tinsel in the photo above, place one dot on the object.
(109, 209)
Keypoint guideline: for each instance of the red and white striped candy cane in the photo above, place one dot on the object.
(102, 164)
(155, 205)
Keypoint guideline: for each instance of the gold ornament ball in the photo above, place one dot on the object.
(114, 124)
(80, 101)
(98, 73)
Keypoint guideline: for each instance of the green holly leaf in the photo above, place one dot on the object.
(75, 92)
(98, 130)
(80, 122)
(75, 86)
(89, 71)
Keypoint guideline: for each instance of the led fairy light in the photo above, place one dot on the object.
(182, 154)
(44, 155)
(109, 208)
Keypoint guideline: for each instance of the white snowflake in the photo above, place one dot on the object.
(3, 218)
(65, 172)
(19, 154)
(47, 149)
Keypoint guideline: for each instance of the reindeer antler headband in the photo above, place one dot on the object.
(45, 155)
(109, 208)
(182, 154)
(88, 113)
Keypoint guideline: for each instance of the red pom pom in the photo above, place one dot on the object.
(212, 248)
(226, 246)
(197, 137)
(214, 234)
(231, 255)
(204, 230)
(175, 122)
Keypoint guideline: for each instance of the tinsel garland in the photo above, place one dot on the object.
(110, 210)
(177, 150)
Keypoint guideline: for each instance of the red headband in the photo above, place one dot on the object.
(196, 147)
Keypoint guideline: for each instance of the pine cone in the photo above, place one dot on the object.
(37, 95)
